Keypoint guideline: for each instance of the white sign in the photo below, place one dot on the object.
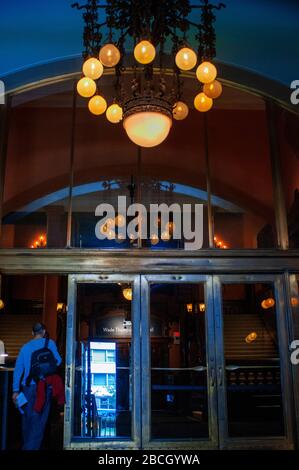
(187, 222)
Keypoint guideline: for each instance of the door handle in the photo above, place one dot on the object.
(220, 376)
(232, 367)
(68, 377)
(212, 377)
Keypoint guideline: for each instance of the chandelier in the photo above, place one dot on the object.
(148, 90)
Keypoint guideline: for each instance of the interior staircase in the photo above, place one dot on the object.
(15, 330)
(237, 327)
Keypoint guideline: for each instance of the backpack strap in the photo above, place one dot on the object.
(30, 378)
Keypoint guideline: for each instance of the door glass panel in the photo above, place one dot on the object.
(179, 399)
(254, 396)
(103, 391)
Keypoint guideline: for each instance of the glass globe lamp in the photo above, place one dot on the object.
(144, 52)
(165, 236)
(147, 128)
(86, 87)
(206, 72)
(202, 102)
(186, 58)
(180, 111)
(213, 89)
(109, 55)
(110, 234)
(128, 293)
(97, 105)
(268, 303)
(154, 239)
(251, 337)
(120, 220)
(114, 113)
(92, 68)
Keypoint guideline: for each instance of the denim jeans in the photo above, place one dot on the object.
(33, 423)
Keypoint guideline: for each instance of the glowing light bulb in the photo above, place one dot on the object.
(251, 337)
(109, 55)
(213, 89)
(202, 102)
(180, 111)
(114, 113)
(206, 72)
(110, 234)
(86, 87)
(120, 220)
(104, 229)
(268, 303)
(147, 128)
(110, 222)
(165, 235)
(189, 308)
(128, 293)
(2, 305)
(186, 58)
(107, 226)
(144, 52)
(97, 105)
(92, 68)
(154, 239)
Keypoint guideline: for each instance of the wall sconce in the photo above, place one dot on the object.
(268, 303)
(202, 307)
(128, 293)
(251, 337)
(61, 307)
(220, 243)
(40, 242)
(189, 308)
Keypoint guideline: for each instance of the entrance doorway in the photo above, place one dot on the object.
(177, 361)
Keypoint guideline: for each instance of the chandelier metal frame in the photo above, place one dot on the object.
(157, 25)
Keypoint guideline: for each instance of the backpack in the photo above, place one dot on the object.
(43, 363)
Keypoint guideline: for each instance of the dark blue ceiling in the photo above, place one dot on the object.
(260, 35)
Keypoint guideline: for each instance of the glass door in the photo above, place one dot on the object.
(253, 367)
(178, 357)
(215, 362)
(103, 362)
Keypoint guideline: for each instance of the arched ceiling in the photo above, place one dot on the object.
(258, 35)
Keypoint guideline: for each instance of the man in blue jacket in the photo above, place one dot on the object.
(33, 423)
